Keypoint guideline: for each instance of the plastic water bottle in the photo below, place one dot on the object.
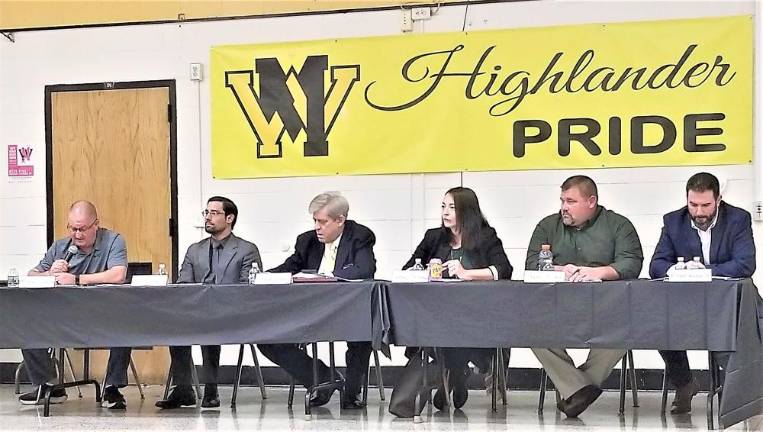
(680, 265)
(253, 273)
(417, 265)
(162, 269)
(695, 264)
(13, 278)
(545, 258)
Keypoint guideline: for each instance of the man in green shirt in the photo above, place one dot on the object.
(589, 243)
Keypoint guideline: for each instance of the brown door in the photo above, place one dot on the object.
(113, 147)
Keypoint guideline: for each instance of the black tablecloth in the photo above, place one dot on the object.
(105, 316)
(716, 316)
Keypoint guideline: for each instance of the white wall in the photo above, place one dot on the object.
(273, 211)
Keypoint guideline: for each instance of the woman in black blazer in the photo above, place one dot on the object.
(470, 250)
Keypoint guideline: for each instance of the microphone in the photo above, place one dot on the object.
(73, 249)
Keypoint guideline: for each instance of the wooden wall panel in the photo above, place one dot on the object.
(112, 147)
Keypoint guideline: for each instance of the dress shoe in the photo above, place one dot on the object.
(439, 398)
(35, 397)
(580, 400)
(182, 395)
(561, 405)
(113, 399)
(211, 397)
(352, 402)
(321, 397)
(684, 395)
(460, 390)
(457, 385)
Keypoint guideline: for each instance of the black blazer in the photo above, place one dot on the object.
(354, 257)
(436, 244)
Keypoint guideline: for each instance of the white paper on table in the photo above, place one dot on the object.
(273, 279)
(410, 276)
(37, 281)
(691, 275)
(149, 280)
(538, 276)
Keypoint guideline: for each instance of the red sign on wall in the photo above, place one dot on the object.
(19, 161)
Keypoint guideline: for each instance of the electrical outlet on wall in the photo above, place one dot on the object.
(406, 25)
(757, 210)
(196, 72)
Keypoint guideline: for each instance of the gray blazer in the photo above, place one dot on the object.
(238, 255)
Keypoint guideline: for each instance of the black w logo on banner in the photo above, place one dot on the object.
(292, 102)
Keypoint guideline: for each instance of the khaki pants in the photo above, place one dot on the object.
(567, 378)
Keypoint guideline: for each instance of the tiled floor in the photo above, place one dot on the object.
(273, 414)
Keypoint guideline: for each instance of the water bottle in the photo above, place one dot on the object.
(253, 273)
(13, 278)
(680, 265)
(695, 264)
(417, 265)
(162, 269)
(545, 258)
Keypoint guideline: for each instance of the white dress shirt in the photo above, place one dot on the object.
(705, 237)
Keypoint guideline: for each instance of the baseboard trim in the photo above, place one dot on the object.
(518, 378)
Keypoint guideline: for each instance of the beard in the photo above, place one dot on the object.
(703, 222)
(567, 219)
(211, 229)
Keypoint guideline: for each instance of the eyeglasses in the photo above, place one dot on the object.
(213, 213)
(81, 230)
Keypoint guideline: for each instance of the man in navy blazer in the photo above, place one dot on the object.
(721, 236)
(342, 248)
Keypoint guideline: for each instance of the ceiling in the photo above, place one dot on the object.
(18, 15)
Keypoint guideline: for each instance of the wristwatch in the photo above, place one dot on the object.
(76, 279)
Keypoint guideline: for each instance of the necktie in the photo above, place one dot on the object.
(329, 259)
(218, 264)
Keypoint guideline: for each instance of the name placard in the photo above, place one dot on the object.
(410, 276)
(37, 281)
(537, 276)
(273, 279)
(149, 280)
(691, 275)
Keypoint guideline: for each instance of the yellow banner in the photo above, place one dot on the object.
(658, 93)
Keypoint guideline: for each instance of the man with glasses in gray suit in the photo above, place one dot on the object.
(221, 258)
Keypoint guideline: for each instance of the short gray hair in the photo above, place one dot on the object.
(335, 203)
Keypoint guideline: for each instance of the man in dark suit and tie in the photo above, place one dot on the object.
(721, 236)
(221, 258)
(342, 248)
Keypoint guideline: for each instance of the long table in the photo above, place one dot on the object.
(720, 316)
(188, 314)
(192, 314)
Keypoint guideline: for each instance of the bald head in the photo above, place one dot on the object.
(83, 225)
(84, 208)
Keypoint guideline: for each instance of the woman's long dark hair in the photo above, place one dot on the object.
(469, 218)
